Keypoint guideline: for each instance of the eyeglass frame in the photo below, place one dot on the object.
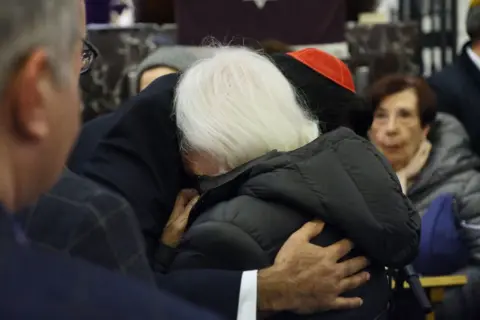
(91, 48)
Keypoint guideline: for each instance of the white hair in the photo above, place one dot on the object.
(30, 24)
(238, 106)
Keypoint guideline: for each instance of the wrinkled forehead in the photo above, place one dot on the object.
(404, 100)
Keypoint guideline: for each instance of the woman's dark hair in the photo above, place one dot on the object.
(392, 84)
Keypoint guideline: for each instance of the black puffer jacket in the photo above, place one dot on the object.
(245, 216)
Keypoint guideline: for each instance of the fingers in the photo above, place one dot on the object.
(352, 266)
(190, 205)
(187, 195)
(183, 198)
(353, 282)
(340, 249)
(309, 230)
(346, 303)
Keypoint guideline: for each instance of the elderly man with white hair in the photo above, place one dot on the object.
(265, 169)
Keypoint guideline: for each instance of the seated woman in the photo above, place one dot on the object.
(264, 170)
(432, 157)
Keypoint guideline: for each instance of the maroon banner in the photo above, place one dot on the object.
(290, 21)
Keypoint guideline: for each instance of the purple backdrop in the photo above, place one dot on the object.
(98, 11)
(291, 21)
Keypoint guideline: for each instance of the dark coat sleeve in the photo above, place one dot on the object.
(90, 136)
(117, 167)
(139, 159)
(215, 290)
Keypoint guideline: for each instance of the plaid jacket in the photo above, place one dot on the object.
(82, 219)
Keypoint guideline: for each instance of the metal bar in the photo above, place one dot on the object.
(431, 16)
(454, 22)
(443, 31)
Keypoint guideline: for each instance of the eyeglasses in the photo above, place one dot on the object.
(89, 54)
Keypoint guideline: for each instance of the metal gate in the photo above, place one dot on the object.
(438, 20)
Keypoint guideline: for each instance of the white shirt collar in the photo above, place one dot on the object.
(474, 57)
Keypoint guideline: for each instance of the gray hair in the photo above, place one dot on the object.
(473, 23)
(29, 24)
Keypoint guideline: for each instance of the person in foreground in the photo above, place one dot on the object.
(40, 58)
(143, 146)
(41, 54)
(264, 170)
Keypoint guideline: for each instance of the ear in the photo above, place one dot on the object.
(31, 84)
(426, 131)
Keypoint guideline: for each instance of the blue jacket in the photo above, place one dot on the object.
(38, 284)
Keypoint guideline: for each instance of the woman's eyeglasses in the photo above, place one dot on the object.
(89, 54)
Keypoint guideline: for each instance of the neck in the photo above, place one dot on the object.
(399, 166)
(476, 48)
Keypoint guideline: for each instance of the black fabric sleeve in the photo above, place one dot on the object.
(163, 258)
(216, 290)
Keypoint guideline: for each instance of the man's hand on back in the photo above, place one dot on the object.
(306, 278)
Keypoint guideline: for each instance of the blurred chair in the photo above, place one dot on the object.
(409, 300)
(291, 21)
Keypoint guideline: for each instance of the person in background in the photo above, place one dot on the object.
(164, 60)
(328, 93)
(458, 86)
(265, 171)
(432, 157)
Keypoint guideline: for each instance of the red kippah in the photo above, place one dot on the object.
(327, 65)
